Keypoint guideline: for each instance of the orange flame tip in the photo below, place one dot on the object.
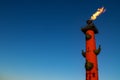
(97, 13)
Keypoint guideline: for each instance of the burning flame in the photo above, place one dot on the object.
(97, 13)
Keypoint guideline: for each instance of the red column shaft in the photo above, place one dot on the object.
(91, 56)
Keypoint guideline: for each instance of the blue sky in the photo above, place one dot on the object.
(41, 39)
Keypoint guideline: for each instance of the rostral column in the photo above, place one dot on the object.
(91, 64)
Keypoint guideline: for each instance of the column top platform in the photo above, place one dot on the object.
(90, 26)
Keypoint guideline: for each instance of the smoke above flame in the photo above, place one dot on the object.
(97, 13)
